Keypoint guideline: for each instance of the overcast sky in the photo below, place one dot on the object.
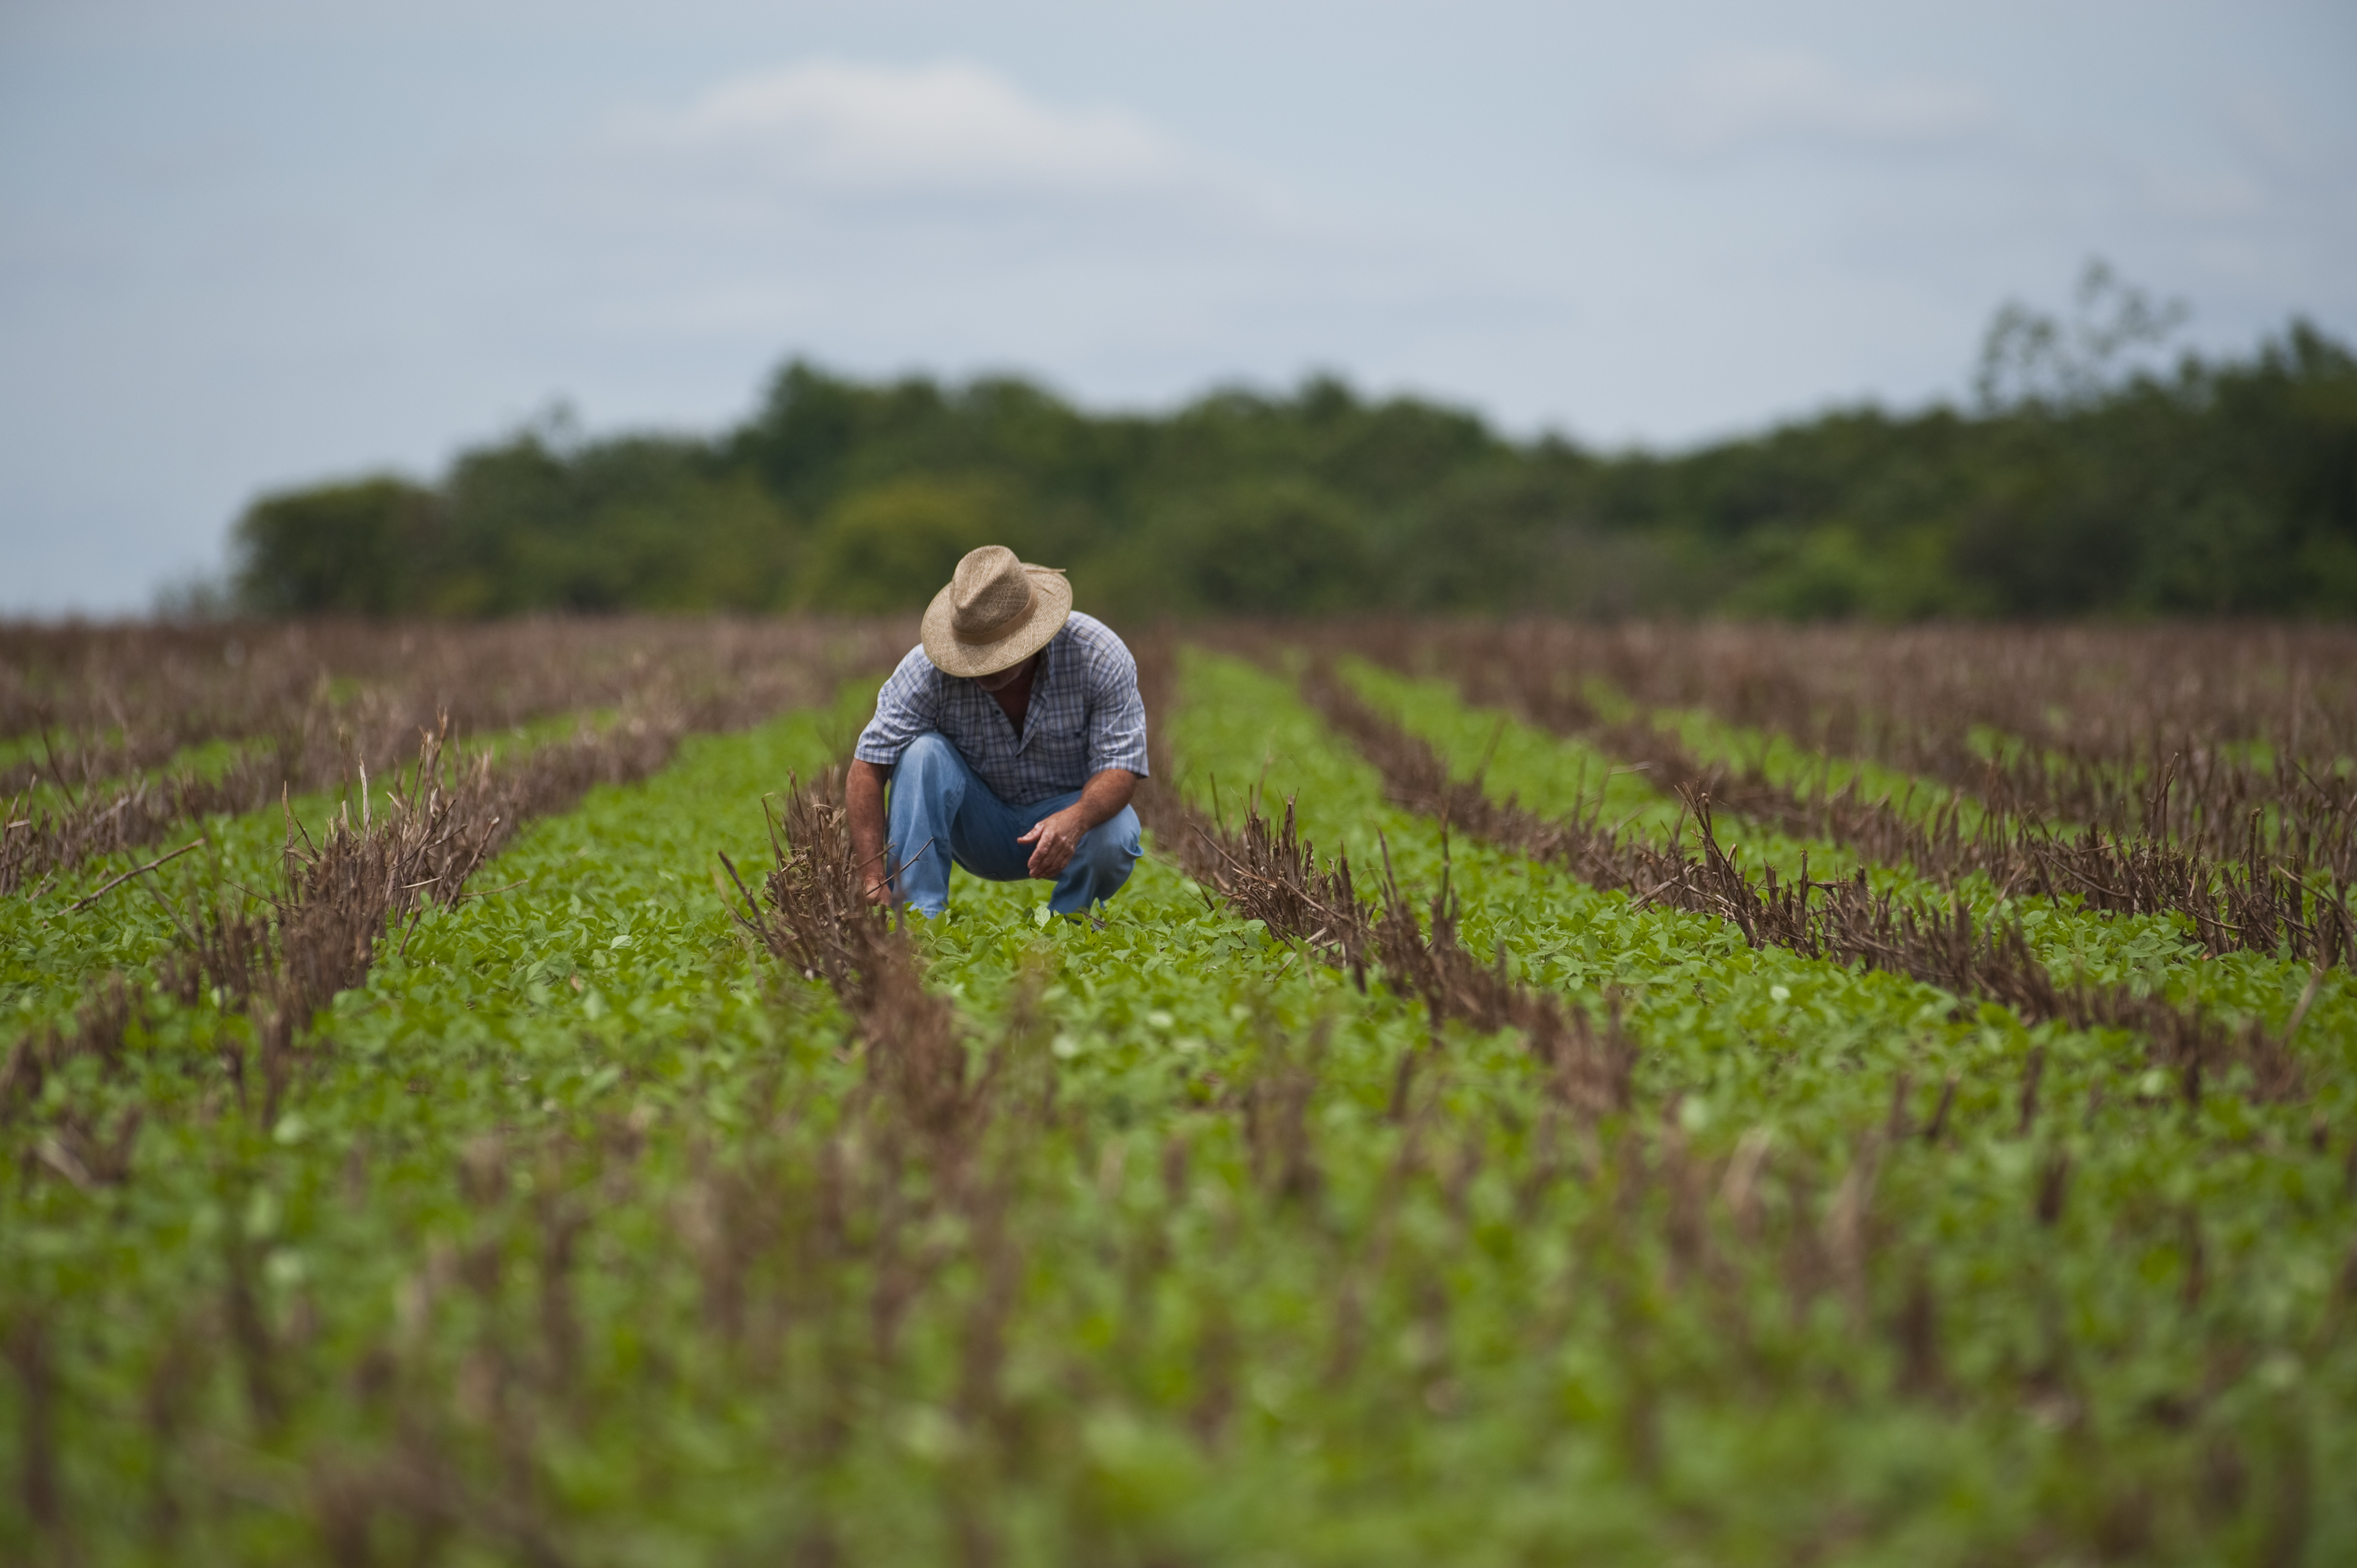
(250, 244)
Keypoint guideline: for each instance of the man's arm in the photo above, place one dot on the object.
(863, 795)
(1057, 836)
(907, 706)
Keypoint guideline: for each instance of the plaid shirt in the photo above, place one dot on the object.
(1085, 717)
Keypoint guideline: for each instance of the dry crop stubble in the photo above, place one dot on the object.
(2179, 734)
(1849, 921)
(421, 836)
(2250, 877)
(1662, 1216)
(313, 705)
(1160, 1242)
(1266, 872)
(131, 694)
(2031, 1117)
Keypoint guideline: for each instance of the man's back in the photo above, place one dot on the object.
(1084, 715)
(1008, 742)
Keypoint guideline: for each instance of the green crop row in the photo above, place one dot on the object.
(50, 950)
(2153, 952)
(585, 1233)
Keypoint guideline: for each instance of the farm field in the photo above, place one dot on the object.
(1551, 1093)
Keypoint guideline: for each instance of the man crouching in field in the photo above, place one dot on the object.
(1011, 737)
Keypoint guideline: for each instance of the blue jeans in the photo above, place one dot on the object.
(940, 812)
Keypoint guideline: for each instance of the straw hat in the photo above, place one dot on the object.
(996, 613)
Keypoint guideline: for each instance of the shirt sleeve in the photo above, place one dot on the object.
(1116, 712)
(908, 706)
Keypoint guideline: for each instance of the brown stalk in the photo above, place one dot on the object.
(2174, 824)
(164, 688)
(1845, 922)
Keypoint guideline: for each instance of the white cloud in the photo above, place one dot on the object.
(1731, 102)
(939, 207)
(946, 128)
(267, 263)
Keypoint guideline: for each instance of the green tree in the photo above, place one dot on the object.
(648, 522)
(893, 546)
(1255, 547)
(349, 548)
(2085, 482)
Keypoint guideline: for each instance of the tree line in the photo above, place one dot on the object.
(2071, 487)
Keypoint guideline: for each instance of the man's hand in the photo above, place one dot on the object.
(1054, 840)
(1056, 837)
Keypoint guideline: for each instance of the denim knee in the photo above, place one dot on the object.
(1111, 849)
(1099, 866)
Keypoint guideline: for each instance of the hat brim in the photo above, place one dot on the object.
(1051, 606)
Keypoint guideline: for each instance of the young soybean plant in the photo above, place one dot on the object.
(1456, 1209)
